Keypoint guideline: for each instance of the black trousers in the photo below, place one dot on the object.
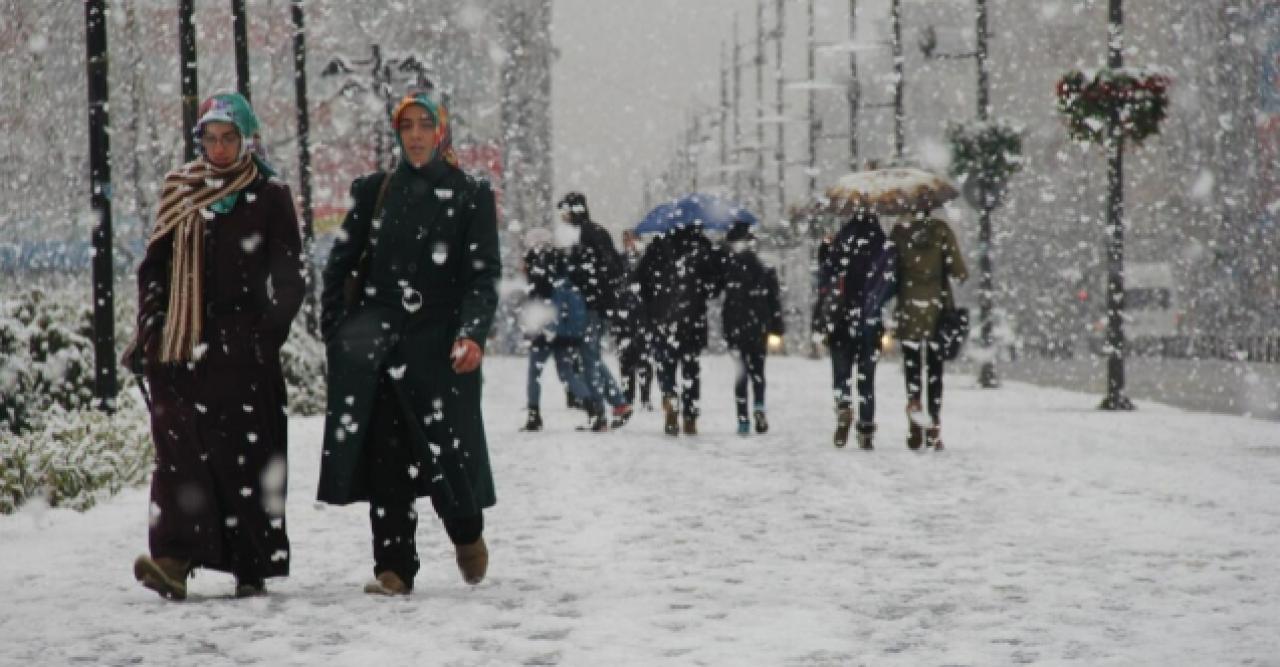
(391, 469)
(911, 361)
(850, 352)
(671, 358)
(634, 364)
(750, 371)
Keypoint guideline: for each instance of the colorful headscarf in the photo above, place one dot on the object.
(439, 114)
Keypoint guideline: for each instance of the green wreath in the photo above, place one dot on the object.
(990, 152)
(1139, 96)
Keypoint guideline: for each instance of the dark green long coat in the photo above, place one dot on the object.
(925, 248)
(432, 280)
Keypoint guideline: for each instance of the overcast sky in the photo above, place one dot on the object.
(630, 72)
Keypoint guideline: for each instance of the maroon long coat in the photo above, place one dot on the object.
(217, 493)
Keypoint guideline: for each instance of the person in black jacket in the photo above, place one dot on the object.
(858, 276)
(752, 311)
(594, 267)
(677, 274)
(631, 330)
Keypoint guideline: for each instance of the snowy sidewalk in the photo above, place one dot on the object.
(1048, 533)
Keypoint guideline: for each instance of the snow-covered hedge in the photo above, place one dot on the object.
(46, 357)
(75, 457)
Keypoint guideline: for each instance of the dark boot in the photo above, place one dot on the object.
(762, 424)
(598, 422)
(744, 425)
(915, 432)
(844, 419)
(671, 420)
(866, 430)
(690, 425)
(250, 587)
(473, 561)
(166, 576)
(534, 421)
(621, 414)
(933, 438)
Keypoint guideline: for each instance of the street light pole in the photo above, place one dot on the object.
(987, 376)
(813, 108)
(781, 153)
(737, 102)
(241, 31)
(104, 379)
(1115, 398)
(855, 91)
(899, 138)
(187, 73)
(759, 184)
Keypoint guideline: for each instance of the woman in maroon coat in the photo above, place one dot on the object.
(217, 290)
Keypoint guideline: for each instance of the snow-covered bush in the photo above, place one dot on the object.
(46, 357)
(303, 361)
(75, 457)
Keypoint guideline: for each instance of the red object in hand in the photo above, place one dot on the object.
(466, 355)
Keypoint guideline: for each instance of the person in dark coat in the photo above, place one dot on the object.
(405, 339)
(858, 277)
(676, 276)
(631, 330)
(556, 316)
(594, 267)
(752, 312)
(218, 287)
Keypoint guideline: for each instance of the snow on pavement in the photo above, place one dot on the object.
(1048, 533)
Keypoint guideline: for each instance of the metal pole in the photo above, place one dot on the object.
(378, 89)
(104, 384)
(241, 31)
(187, 71)
(304, 164)
(781, 152)
(855, 91)
(987, 376)
(813, 108)
(724, 119)
(899, 140)
(759, 184)
(737, 104)
(1115, 398)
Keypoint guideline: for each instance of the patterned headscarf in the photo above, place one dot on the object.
(191, 195)
(436, 109)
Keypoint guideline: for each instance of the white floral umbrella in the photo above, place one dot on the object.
(894, 191)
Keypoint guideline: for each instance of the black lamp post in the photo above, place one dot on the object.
(104, 384)
(1115, 398)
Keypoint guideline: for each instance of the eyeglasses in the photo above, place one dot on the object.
(227, 140)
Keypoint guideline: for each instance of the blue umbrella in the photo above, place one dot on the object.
(710, 211)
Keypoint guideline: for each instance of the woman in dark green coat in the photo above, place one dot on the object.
(409, 297)
(929, 258)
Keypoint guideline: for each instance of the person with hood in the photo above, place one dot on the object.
(556, 316)
(676, 276)
(594, 267)
(218, 288)
(752, 312)
(409, 297)
(929, 257)
(858, 277)
(631, 330)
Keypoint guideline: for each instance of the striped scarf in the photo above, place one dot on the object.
(187, 194)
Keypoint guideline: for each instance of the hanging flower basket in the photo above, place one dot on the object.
(1139, 96)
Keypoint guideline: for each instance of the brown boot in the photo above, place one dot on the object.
(933, 438)
(166, 576)
(473, 561)
(844, 419)
(866, 435)
(388, 583)
(691, 426)
(915, 432)
(670, 425)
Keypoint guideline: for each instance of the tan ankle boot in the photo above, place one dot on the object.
(166, 576)
(933, 438)
(844, 419)
(388, 583)
(691, 426)
(671, 420)
(473, 561)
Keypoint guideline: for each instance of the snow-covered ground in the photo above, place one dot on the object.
(1048, 533)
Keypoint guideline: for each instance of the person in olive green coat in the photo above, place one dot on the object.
(929, 258)
(404, 342)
